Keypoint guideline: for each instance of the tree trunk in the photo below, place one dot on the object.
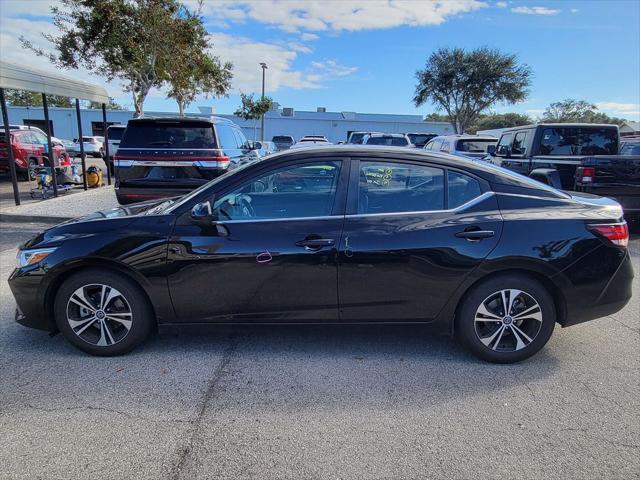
(255, 126)
(181, 107)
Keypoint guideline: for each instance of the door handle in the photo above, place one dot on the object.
(315, 243)
(475, 235)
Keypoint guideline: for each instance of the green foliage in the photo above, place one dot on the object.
(197, 72)
(500, 120)
(251, 109)
(111, 105)
(133, 41)
(24, 98)
(578, 111)
(437, 117)
(464, 84)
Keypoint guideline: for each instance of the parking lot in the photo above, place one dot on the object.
(296, 402)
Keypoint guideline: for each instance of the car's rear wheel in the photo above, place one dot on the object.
(102, 313)
(506, 319)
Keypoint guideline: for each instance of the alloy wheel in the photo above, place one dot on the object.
(99, 314)
(508, 320)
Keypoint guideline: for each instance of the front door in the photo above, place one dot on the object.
(272, 255)
(412, 234)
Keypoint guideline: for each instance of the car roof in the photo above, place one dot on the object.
(117, 126)
(560, 125)
(387, 135)
(211, 119)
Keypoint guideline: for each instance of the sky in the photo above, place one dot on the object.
(362, 55)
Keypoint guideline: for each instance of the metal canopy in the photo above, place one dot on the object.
(20, 77)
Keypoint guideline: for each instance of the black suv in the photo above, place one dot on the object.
(166, 157)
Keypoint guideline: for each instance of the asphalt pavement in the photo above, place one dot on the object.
(318, 403)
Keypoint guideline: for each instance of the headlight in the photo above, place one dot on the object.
(33, 256)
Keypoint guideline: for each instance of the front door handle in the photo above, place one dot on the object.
(475, 235)
(315, 243)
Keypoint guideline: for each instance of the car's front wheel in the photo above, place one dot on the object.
(506, 319)
(102, 313)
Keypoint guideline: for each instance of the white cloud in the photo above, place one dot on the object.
(501, 4)
(331, 69)
(535, 10)
(574, 10)
(628, 110)
(299, 47)
(349, 15)
(308, 37)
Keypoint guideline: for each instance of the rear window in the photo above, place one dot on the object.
(389, 141)
(474, 145)
(153, 135)
(630, 149)
(419, 139)
(579, 141)
(115, 133)
(282, 139)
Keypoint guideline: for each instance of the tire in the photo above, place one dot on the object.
(526, 328)
(127, 315)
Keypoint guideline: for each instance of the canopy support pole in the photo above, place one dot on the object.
(83, 157)
(7, 136)
(106, 143)
(50, 153)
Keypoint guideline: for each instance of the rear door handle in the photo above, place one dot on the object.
(315, 243)
(475, 235)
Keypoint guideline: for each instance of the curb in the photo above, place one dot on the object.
(9, 218)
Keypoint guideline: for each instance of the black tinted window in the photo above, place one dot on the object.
(474, 145)
(630, 149)
(419, 139)
(579, 141)
(462, 188)
(518, 147)
(389, 141)
(158, 135)
(282, 139)
(397, 187)
(294, 191)
(504, 144)
(115, 133)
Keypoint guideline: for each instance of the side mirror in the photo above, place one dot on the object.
(491, 150)
(202, 214)
(75, 140)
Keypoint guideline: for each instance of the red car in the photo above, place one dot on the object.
(29, 151)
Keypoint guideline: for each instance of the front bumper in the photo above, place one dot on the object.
(29, 289)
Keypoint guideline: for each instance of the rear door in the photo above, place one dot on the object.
(412, 234)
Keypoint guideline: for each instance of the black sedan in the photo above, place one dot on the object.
(341, 235)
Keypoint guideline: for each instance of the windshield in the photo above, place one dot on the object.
(282, 139)
(171, 207)
(475, 145)
(630, 149)
(389, 141)
(150, 135)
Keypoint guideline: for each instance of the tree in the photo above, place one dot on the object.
(500, 120)
(124, 39)
(436, 117)
(24, 98)
(111, 105)
(464, 84)
(578, 111)
(197, 72)
(251, 109)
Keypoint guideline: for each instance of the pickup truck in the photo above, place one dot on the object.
(573, 156)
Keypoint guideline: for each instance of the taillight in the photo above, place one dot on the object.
(616, 233)
(585, 174)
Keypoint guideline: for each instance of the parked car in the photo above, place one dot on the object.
(265, 148)
(630, 146)
(283, 141)
(114, 137)
(388, 139)
(419, 140)
(336, 235)
(164, 157)
(310, 140)
(93, 146)
(30, 149)
(471, 146)
(70, 146)
(355, 138)
(54, 140)
(573, 156)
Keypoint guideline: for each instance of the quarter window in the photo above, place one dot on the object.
(462, 188)
(398, 187)
(294, 191)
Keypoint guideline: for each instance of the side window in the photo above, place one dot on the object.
(226, 137)
(397, 187)
(436, 144)
(519, 147)
(240, 138)
(445, 146)
(428, 146)
(462, 188)
(504, 144)
(295, 191)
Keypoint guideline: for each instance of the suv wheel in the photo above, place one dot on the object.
(102, 313)
(506, 319)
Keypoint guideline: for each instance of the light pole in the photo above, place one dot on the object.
(264, 68)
